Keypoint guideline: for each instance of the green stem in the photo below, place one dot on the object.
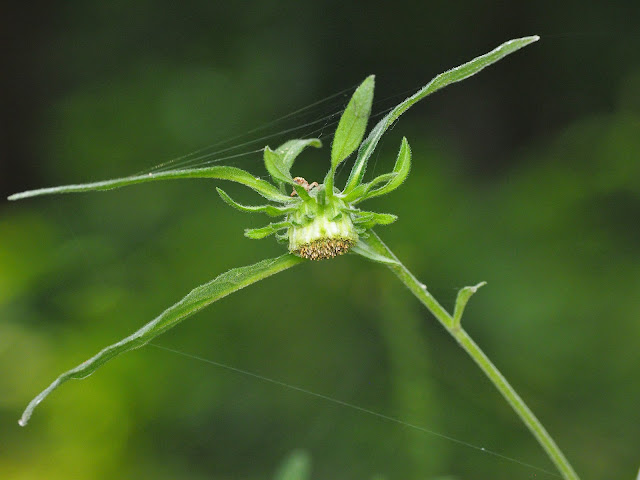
(478, 356)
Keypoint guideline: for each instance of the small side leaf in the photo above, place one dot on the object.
(357, 194)
(260, 233)
(276, 167)
(263, 187)
(401, 170)
(290, 150)
(371, 219)
(280, 160)
(364, 249)
(461, 301)
(223, 285)
(440, 81)
(268, 209)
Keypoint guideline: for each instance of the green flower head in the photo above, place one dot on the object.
(322, 221)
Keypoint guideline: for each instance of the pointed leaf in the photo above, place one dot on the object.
(400, 173)
(290, 150)
(223, 173)
(280, 160)
(353, 122)
(451, 76)
(461, 301)
(366, 250)
(276, 167)
(351, 128)
(268, 209)
(196, 300)
(259, 233)
(371, 219)
(361, 190)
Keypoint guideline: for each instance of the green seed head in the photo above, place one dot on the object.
(323, 229)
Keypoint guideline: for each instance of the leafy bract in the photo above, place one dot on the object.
(391, 180)
(290, 150)
(370, 219)
(280, 160)
(451, 76)
(276, 167)
(357, 194)
(196, 300)
(365, 249)
(353, 122)
(270, 210)
(233, 174)
(263, 232)
(351, 128)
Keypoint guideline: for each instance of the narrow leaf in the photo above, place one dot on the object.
(280, 160)
(461, 301)
(394, 179)
(276, 167)
(290, 150)
(268, 209)
(371, 219)
(451, 76)
(223, 173)
(260, 233)
(196, 300)
(351, 128)
(353, 122)
(366, 250)
(361, 190)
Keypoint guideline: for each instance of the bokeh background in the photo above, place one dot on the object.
(525, 176)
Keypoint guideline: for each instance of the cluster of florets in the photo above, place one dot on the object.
(325, 248)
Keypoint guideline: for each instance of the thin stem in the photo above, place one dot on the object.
(478, 356)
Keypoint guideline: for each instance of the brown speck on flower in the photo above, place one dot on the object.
(304, 184)
(325, 248)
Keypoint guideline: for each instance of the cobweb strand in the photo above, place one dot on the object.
(355, 407)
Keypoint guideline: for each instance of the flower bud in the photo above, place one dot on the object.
(324, 233)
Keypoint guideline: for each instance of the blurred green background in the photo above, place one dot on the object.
(525, 176)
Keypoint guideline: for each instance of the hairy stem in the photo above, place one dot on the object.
(478, 356)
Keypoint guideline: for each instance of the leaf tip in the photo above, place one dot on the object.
(475, 288)
(223, 195)
(461, 302)
(527, 40)
(21, 195)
